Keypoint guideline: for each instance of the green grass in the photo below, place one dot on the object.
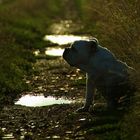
(19, 35)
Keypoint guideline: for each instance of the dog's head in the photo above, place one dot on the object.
(80, 52)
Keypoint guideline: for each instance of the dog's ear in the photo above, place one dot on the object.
(93, 44)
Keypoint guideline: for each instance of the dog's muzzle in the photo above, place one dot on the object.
(67, 56)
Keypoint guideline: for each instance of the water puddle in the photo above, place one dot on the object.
(54, 51)
(40, 100)
(50, 51)
(60, 40)
(64, 39)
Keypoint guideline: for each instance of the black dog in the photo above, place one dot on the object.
(104, 72)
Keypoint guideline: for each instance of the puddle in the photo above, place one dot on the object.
(64, 39)
(60, 40)
(50, 52)
(54, 51)
(40, 100)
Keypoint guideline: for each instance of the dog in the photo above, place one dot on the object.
(105, 73)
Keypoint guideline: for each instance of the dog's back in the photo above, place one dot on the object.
(108, 68)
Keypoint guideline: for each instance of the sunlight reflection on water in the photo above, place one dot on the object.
(34, 101)
(54, 51)
(60, 40)
(64, 39)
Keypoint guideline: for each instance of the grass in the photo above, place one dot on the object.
(19, 35)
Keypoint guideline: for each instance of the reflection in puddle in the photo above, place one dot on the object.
(34, 101)
(64, 39)
(60, 40)
(54, 51)
(50, 52)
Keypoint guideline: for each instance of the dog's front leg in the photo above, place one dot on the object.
(90, 90)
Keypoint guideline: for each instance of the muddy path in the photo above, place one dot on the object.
(56, 78)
